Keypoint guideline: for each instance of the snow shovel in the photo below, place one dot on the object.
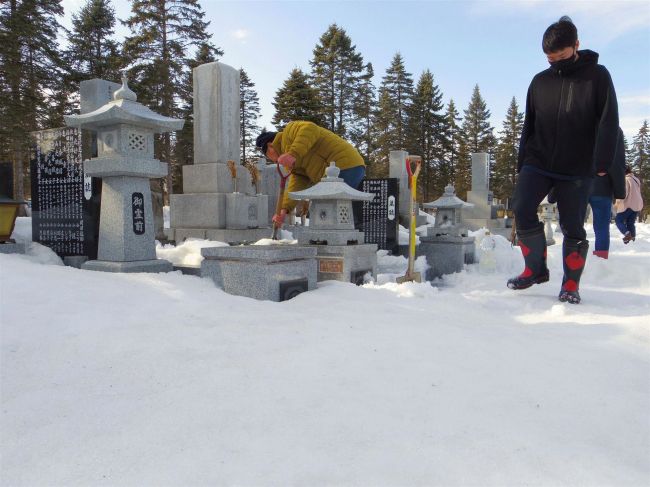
(411, 275)
(278, 206)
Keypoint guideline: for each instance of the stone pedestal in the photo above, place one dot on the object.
(347, 263)
(266, 272)
(446, 254)
(12, 248)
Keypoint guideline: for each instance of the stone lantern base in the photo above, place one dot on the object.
(446, 254)
(346, 263)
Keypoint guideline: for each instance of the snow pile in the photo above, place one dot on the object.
(187, 253)
(270, 241)
(163, 379)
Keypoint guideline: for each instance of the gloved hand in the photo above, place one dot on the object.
(287, 160)
(279, 219)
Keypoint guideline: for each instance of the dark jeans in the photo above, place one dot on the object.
(601, 207)
(571, 195)
(625, 221)
(353, 176)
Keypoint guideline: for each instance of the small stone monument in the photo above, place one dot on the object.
(446, 245)
(342, 254)
(125, 162)
(219, 203)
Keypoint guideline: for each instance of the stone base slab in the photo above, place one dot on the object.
(265, 272)
(75, 261)
(154, 266)
(12, 248)
(233, 236)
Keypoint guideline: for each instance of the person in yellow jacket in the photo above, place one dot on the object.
(307, 149)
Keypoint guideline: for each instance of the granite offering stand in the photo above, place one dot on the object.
(342, 254)
(219, 203)
(266, 272)
(125, 162)
(446, 245)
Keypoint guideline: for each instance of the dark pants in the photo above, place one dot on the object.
(571, 197)
(625, 221)
(353, 176)
(601, 207)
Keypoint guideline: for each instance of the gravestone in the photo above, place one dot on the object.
(219, 202)
(7, 179)
(397, 169)
(377, 219)
(125, 163)
(64, 212)
(483, 213)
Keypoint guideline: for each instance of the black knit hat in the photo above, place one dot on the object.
(263, 140)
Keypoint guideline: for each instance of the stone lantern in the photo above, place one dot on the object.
(548, 213)
(342, 254)
(125, 162)
(448, 213)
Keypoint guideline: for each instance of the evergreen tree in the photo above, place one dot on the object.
(91, 51)
(184, 147)
(477, 136)
(395, 95)
(362, 133)
(424, 134)
(163, 32)
(336, 73)
(453, 145)
(30, 77)
(641, 162)
(296, 100)
(249, 112)
(505, 166)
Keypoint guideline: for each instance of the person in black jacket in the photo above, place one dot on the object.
(569, 135)
(606, 188)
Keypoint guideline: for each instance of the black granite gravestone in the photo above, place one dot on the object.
(6, 179)
(65, 204)
(377, 219)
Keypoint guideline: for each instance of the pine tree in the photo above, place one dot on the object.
(163, 32)
(30, 77)
(91, 51)
(248, 114)
(362, 133)
(391, 118)
(477, 136)
(424, 134)
(296, 100)
(452, 145)
(336, 73)
(641, 162)
(505, 165)
(184, 147)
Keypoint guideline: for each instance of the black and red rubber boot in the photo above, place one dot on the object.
(533, 247)
(574, 256)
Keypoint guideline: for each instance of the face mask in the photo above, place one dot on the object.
(563, 63)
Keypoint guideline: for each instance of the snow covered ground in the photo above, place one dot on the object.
(140, 379)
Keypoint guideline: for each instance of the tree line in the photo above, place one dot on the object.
(168, 38)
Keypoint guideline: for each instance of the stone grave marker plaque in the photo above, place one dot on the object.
(378, 219)
(64, 210)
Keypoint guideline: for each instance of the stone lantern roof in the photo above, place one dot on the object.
(331, 187)
(448, 200)
(124, 109)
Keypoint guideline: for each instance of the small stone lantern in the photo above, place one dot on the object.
(548, 213)
(125, 162)
(448, 214)
(342, 254)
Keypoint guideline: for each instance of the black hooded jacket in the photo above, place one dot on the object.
(612, 184)
(571, 123)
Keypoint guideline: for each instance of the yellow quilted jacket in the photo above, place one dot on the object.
(313, 147)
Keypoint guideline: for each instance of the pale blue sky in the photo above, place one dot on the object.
(494, 43)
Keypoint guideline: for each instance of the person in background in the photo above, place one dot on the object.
(307, 149)
(569, 135)
(606, 188)
(628, 208)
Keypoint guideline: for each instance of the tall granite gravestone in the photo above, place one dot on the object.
(218, 202)
(483, 213)
(342, 254)
(125, 163)
(397, 169)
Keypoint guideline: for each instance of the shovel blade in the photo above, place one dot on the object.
(409, 277)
